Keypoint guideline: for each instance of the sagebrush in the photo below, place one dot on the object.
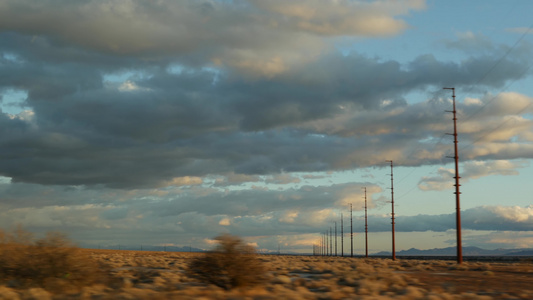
(231, 264)
(52, 262)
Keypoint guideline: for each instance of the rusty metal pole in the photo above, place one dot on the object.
(342, 237)
(335, 238)
(330, 242)
(366, 229)
(351, 231)
(324, 243)
(327, 244)
(457, 185)
(392, 214)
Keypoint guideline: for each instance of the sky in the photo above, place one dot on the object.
(168, 123)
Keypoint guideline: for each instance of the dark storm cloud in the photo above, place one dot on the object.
(169, 125)
(216, 87)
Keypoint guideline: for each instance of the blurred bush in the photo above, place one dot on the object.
(52, 262)
(231, 264)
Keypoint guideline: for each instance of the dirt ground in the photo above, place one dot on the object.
(469, 280)
(498, 280)
(162, 275)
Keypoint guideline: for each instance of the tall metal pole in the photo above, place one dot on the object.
(327, 244)
(392, 214)
(323, 245)
(330, 242)
(351, 231)
(342, 237)
(457, 185)
(366, 229)
(335, 238)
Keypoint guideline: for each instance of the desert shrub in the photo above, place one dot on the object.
(231, 264)
(52, 262)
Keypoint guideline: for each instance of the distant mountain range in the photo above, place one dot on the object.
(467, 251)
(149, 248)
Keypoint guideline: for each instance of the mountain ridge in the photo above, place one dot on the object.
(467, 251)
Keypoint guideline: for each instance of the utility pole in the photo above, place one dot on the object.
(320, 246)
(323, 245)
(330, 241)
(366, 229)
(457, 185)
(335, 238)
(327, 243)
(392, 214)
(351, 231)
(342, 237)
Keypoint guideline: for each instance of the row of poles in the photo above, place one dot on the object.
(325, 245)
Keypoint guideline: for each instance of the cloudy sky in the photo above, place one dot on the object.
(140, 122)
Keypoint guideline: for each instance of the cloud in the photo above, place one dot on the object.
(179, 117)
(186, 180)
(283, 178)
(142, 118)
(343, 17)
(253, 36)
(522, 30)
(501, 239)
(470, 170)
(225, 222)
(195, 213)
(510, 218)
(192, 137)
(236, 179)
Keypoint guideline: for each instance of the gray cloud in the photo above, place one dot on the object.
(471, 170)
(504, 218)
(117, 216)
(174, 116)
(189, 125)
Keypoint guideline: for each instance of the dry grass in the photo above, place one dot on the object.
(232, 264)
(52, 262)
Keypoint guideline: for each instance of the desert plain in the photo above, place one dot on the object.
(163, 275)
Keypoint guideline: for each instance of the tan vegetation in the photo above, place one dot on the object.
(52, 268)
(231, 264)
(51, 262)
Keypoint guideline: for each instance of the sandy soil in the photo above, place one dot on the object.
(161, 275)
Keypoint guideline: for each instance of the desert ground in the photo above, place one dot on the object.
(163, 275)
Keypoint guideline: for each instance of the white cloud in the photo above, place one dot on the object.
(514, 213)
(225, 222)
(130, 86)
(471, 170)
(184, 181)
